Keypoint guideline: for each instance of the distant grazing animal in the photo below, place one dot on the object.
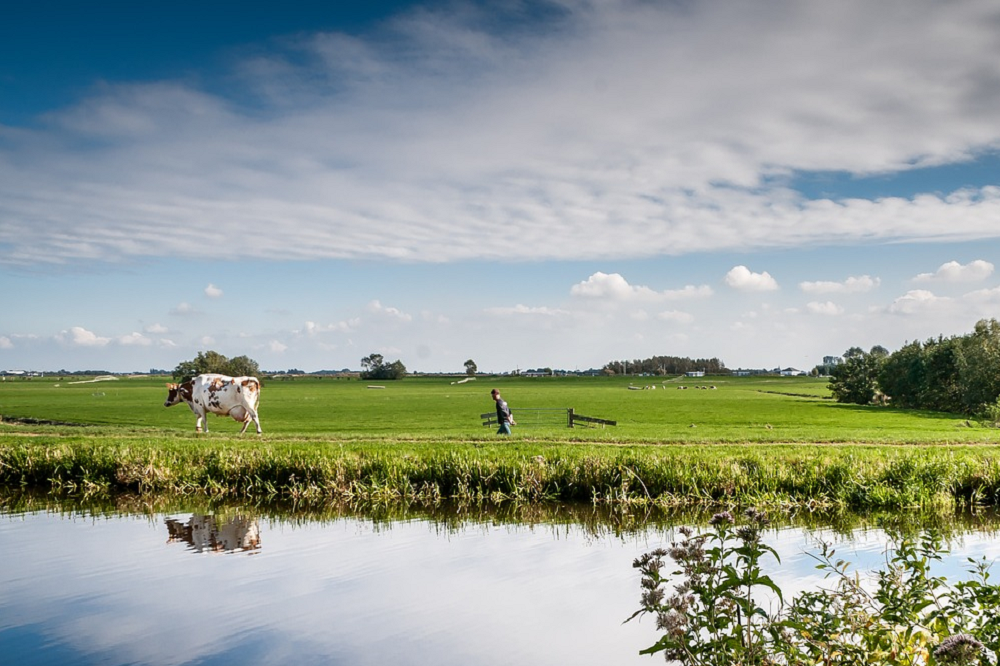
(218, 394)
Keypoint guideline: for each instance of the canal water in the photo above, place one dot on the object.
(81, 587)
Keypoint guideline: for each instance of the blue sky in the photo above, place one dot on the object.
(526, 184)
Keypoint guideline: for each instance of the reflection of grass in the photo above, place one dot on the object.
(600, 519)
(761, 441)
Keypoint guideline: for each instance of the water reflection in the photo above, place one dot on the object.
(92, 582)
(212, 534)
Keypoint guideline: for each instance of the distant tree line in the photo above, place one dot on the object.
(960, 374)
(665, 365)
(214, 362)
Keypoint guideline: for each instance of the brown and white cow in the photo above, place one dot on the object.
(218, 394)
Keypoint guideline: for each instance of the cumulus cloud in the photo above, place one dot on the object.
(849, 286)
(311, 328)
(526, 310)
(376, 308)
(953, 271)
(826, 308)
(134, 339)
(676, 316)
(5, 342)
(984, 295)
(276, 346)
(371, 146)
(156, 329)
(743, 279)
(213, 292)
(616, 288)
(185, 309)
(917, 301)
(78, 336)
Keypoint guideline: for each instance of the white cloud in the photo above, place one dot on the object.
(526, 310)
(134, 339)
(213, 292)
(276, 346)
(185, 309)
(827, 308)
(359, 152)
(743, 279)
(953, 271)
(614, 287)
(312, 329)
(676, 316)
(917, 301)
(376, 308)
(984, 295)
(156, 329)
(851, 285)
(5, 342)
(78, 336)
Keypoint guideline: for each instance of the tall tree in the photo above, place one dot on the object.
(856, 379)
(470, 368)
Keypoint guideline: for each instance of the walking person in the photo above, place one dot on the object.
(504, 416)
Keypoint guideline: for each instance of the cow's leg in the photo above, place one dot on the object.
(256, 420)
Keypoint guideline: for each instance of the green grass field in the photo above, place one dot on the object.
(763, 441)
(738, 410)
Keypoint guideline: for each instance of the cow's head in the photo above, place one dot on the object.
(177, 393)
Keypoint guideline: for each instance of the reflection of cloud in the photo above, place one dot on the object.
(487, 594)
(956, 272)
(743, 279)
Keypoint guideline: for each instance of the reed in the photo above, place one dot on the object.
(816, 477)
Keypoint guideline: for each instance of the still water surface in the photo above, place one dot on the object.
(183, 588)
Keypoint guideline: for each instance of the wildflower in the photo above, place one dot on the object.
(757, 516)
(723, 518)
(652, 598)
(685, 530)
(672, 622)
(960, 650)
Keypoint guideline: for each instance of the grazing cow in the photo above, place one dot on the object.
(225, 396)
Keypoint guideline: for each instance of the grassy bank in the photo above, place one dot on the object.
(851, 477)
(761, 441)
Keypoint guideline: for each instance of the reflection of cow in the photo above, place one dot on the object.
(208, 534)
(218, 394)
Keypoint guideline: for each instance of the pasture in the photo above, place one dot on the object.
(738, 410)
(762, 441)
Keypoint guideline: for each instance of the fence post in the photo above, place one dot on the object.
(569, 417)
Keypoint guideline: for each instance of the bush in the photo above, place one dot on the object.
(910, 618)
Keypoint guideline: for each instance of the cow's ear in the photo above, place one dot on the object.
(171, 386)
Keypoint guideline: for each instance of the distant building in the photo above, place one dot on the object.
(695, 373)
